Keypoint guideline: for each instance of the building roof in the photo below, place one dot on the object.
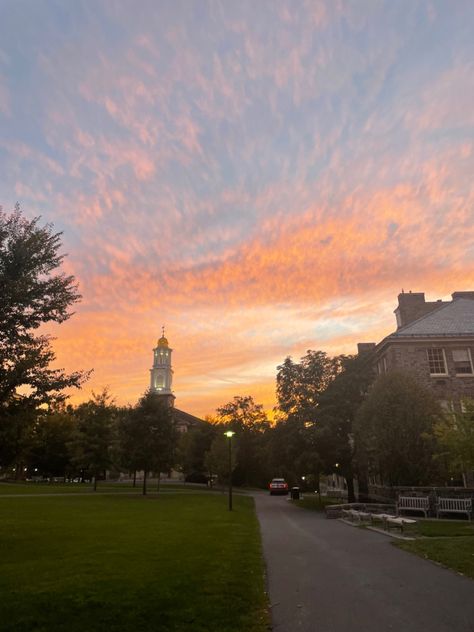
(182, 417)
(454, 319)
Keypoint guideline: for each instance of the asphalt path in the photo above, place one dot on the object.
(326, 576)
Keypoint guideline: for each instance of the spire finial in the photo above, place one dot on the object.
(163, 330)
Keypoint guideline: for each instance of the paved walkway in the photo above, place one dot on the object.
(325, 576)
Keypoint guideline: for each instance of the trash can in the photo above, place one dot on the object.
(295, 493)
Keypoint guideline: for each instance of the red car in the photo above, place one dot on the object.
(278, 486)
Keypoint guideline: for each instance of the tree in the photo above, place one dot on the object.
(299, 385)
(50, 452)
(455, 434)
(153, 436)
(216, 458)
(249, 422)
(338, 405)
(32, 292)
(93, 438)
(292, 452)
(192, 447)
(394, 429)
(16, 422)
(125, 445)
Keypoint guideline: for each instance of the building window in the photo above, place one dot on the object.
(462, 361)
(437, 362)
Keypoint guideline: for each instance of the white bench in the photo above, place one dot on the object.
(454, 505)
(413, 503)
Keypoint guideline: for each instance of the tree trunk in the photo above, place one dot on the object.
(134, 478)
(144, 483)
(363, 495)
(95, 482)
(350, 489)
(158, 482)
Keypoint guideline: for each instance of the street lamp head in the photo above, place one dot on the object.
(229, 434)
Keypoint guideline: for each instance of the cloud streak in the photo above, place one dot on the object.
(263, 180)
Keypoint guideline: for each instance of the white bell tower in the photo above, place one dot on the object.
(161, 372)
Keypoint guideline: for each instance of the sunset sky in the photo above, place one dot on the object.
(261, 176)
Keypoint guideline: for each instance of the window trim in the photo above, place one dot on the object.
(445, 363)
(471, 374)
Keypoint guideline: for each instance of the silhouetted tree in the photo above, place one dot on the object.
(153, 436)
(249, 422)
(93, 436)
(338, 405)
(32, 292)
(394, 426)
(50, 450)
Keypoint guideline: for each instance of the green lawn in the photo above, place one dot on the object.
(450, 543)
(170, 563)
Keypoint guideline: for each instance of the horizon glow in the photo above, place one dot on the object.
(263, 178)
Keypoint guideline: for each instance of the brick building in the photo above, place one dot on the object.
(435, 342)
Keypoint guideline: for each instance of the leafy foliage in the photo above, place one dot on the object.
(150, 435)
(32, 292)
(93, 436)
(249, 422)
(395, 428)
(455, 434)
(50, 448)
(338, 406)
(300, 385)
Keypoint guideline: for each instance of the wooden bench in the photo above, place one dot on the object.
(413, 503)
(454, 505)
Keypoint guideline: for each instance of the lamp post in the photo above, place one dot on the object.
(229, 434)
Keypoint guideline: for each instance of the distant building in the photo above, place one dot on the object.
(435, 342)
(161, 379)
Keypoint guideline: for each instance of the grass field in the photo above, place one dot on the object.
(170, 563)
(451, 544)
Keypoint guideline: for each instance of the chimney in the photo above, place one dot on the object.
(412, 306)
(365, 347)
(468, 295)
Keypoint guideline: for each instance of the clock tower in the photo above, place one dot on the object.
(161, 373)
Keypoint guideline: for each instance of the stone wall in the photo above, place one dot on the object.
(412, 358)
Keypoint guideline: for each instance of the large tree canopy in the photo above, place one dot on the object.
(32, 292)
(394, 427)
(249, 421)
(338, 405)
(300, 384)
